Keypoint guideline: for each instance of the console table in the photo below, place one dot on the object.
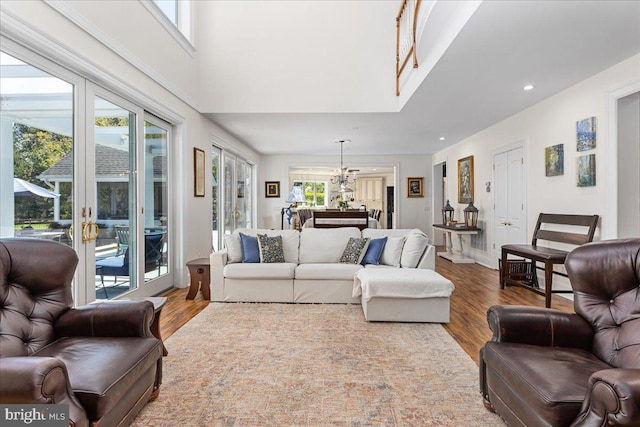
(455, 255)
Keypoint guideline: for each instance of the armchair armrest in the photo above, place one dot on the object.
(539, 326)
(613, 398)
(107, 319)
(39, 380)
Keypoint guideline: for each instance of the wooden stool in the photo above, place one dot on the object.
(199, 272)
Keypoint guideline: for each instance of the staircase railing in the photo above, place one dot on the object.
(406, 37)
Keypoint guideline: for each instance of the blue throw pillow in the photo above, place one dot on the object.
(374, 251)
(250, 249)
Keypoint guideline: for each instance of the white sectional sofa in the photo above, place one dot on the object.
(311, 272)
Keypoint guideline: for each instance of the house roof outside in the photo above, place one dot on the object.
(111, 165)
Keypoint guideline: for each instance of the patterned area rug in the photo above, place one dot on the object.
(238, 364)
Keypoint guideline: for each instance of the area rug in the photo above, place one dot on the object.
(237, 364)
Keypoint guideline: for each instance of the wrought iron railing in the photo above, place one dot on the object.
(406, 37)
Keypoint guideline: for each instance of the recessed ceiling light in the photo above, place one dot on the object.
(442, 138)
(528, 87)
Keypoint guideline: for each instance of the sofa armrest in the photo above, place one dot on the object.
(428, 259)
(107, 319)
(613, 398)
(218, 260)
(39, 380)
(539, 326)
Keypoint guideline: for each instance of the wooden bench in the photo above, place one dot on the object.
(524, 273)
(333, 219)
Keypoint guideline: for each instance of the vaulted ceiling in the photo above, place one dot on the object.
(477, 82)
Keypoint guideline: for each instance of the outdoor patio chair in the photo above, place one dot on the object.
(122, 237)
(119, 265)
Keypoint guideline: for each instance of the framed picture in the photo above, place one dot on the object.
(414, 187)
(198, 172)
(554, 160)
(586, 170)
(586, 134)
(272, 189)
(465, 180)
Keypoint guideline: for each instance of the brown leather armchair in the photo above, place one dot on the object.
(100, 359)
(544, 367)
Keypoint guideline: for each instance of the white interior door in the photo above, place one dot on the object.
(510, 225)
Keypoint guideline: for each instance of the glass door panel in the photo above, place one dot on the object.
(156, 213)
(229, 197)
(215, 199)
(244, 195)
(115, 180)
(36, 153)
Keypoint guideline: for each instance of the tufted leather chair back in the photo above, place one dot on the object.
(605, 277)
(35, 289)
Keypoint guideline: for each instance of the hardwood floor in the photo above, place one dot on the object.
(477, 288)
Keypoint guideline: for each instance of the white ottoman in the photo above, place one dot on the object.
(403, 294)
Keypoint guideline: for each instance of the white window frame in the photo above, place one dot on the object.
(315, 194)
(183, 31)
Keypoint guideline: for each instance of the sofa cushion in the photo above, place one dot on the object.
(554, 380)
(281, 270)
(355, 250)
(327, 271)
(290, 240)
(392, 251)
(121, 362)
(413, 248)
(324, 245)
(234, 248)
(374, 251)
(270, 248)
(250, 249)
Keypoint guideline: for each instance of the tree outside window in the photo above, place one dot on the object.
(314, 192)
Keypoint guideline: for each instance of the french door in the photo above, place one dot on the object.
(96, 173)
(509, 198)
(126, 186)
(237, 197)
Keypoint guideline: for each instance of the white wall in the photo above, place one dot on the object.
(550, 122)
(410, 212)
(628, 170)
(261, 56)
(44, 30)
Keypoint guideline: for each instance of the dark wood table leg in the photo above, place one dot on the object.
(548, 283)
(503, 268)
(193, 289)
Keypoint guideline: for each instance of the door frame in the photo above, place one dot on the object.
(523, 144)
(438, 198)
(610, 226)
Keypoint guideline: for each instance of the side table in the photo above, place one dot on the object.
(199, 270)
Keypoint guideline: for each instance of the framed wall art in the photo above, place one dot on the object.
(586, 170)
(586, 134)
(272, 189)
(554, 160)
(465, 180)
(198, 172)
(415, 187)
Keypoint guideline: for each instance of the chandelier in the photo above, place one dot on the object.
(342, 177)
